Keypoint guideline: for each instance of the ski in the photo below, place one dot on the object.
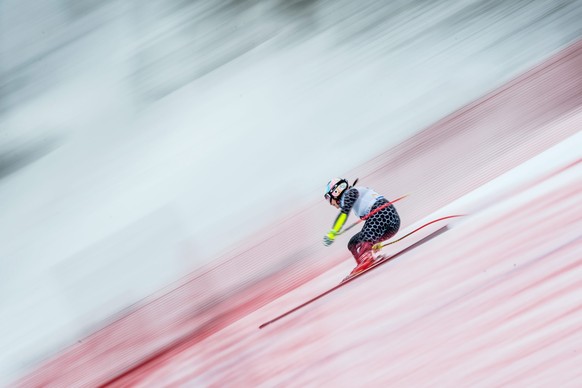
(379, 261)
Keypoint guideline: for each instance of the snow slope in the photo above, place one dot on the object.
(118, 118)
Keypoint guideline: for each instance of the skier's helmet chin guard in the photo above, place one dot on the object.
(335, 189)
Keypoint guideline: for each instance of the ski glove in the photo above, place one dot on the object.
(329, 238)
(338, 224)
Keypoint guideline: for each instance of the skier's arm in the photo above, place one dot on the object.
(348, 202)
(338, 224)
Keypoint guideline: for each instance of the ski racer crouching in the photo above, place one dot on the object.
(381, 225)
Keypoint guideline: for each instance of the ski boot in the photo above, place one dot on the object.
(365, 261)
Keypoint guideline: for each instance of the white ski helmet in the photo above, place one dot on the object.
(336, 187)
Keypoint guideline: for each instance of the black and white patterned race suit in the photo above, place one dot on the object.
(379, 227)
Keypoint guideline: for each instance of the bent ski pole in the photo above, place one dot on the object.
(371, 214)
(381, 245)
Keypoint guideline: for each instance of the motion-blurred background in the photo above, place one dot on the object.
(144, 142)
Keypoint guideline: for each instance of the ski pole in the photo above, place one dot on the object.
(381, 245)
(371, 214)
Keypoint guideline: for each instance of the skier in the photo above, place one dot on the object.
(380, 226)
